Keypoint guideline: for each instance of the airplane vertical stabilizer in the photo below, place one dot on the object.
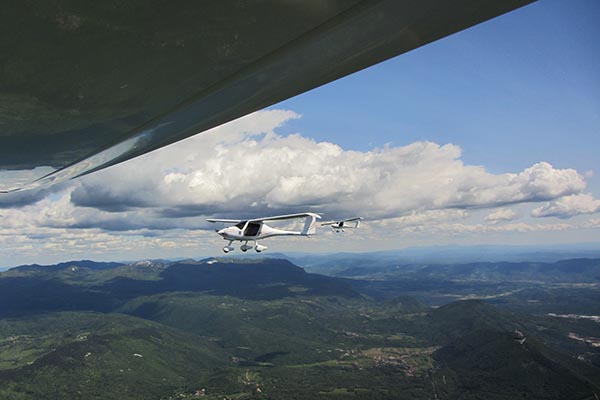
(310, 225)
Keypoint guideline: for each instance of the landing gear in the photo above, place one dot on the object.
(228, 248)
(259, 248)
(245, 247)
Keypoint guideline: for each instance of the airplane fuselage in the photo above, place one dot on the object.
(253, 230)
(248, 234)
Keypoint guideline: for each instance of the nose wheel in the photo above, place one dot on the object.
(228, 248)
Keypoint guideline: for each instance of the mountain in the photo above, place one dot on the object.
(328, 263)
(105, 286)
(88, 355)
(491, 353)
(565, 271)
(265, 328)
(466, 317)
(262, 279)
(562, 287)
(94, 265)
(491, 364)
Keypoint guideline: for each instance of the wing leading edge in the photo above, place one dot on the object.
(285, 217)
(253, 74)
(226, 221)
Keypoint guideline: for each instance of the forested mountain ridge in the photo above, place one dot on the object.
(265, 328)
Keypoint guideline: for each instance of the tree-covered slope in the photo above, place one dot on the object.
(99, 356)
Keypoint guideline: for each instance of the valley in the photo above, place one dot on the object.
(268, 329)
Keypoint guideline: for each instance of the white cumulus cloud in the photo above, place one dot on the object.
(245, 168)
(568, 206)
(501, 215)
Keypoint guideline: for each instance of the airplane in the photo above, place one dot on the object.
(339, 226)
(252, 230)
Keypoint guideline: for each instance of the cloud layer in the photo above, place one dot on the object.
(501, 215)
(246, 168)
(568, 206)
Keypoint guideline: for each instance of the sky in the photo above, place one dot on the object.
(488, 136)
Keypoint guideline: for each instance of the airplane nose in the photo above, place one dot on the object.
(220, 231)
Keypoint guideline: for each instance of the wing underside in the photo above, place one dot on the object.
(286, 217)
(135, 90)
(266, 219)
(226, 221)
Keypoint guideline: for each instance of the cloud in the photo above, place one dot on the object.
(453, 222)
(591, 223)
(520, 227)
(25, 197)
(423, 218)
(501, 215)
(60, 212)
(245, 168)
(568, 206)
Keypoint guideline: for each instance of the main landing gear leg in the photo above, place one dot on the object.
(245, 247)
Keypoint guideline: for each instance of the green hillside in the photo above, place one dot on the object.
(489, 364)
(100, 356)
(266, 329)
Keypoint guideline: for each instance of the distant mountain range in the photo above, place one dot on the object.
(579, 270)
(103, 286)
(452, 254)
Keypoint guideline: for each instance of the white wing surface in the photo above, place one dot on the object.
(284, 217)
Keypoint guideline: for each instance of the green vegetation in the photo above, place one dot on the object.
(90, 355)
(267, 329)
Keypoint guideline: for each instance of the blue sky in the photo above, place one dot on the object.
(489, 136)
(520, 88)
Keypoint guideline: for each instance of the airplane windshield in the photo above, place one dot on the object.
(241, 224)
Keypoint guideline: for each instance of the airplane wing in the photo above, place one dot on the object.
(284, 217)
(273, 218)
(123, 81)
(343, 220)
(227, 221)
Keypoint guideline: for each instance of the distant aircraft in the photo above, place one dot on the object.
(252, 230)
(339, 226)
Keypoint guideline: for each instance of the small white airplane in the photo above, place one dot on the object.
(252, 230)
(339, 226)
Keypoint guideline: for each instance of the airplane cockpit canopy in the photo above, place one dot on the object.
(241, 224)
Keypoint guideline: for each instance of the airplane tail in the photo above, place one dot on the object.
(310, 225)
